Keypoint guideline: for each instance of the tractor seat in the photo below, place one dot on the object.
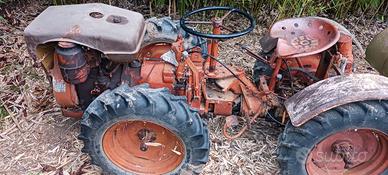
(299, 37)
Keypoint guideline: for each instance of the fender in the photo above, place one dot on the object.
(116, 32)
(333, 92)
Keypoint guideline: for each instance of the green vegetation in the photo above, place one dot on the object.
(285, 8)
(289, 8)
(1, 17)
(3, 112)
(61, 2)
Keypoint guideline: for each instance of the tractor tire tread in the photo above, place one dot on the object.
(295, 143)
(119, 104)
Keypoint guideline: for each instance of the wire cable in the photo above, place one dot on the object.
(273, 119)
(291, 77)
(305, 72)
(224, 65)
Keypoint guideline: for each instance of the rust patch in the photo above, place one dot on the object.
(345, 48)
(64, 93)
(356, 152)
(143, 147)
(298, 37)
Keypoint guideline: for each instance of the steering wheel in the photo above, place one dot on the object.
(216, 21)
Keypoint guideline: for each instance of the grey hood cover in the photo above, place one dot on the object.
(116, 32)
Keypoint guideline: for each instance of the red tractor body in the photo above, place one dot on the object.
(90, 51)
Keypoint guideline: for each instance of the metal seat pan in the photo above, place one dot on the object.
(299, 37)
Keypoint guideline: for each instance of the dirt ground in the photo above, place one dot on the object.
(36, 139)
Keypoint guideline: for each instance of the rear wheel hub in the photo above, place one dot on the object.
(356, 152)
(143, 147)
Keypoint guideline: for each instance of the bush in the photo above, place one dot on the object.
(285, 8)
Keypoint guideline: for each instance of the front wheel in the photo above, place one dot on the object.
(139, 130)
(350, 139)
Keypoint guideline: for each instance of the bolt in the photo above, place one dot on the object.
(279, 76)
(185, 54)
(143, 147)
(116, 19)
(346, 150)
(65, 44)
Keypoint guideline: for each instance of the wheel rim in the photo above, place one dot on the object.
(355, 152)
(143, 147)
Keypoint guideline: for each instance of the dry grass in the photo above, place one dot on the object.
(36, 139)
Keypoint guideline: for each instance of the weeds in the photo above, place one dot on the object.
(285, 8)
(3, 112)
(288, 8)
(62, 2)
(1, 2)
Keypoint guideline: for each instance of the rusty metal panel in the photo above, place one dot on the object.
(64, 92)
(333, 92)
(298, 37)
(223, 108)
(116, 32)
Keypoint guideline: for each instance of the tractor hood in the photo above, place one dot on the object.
(116, 32)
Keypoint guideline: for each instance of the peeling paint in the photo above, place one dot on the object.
(333, 92)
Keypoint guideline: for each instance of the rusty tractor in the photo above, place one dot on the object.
(140, 88)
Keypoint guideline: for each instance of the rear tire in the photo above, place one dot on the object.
(298, 145)
(155, 106)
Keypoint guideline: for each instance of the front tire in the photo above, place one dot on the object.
(138, 130)
(350, 139)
